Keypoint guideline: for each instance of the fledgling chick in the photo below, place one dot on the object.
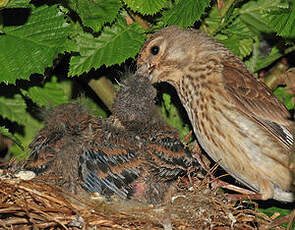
(131, 154)
(56, 149)
(165, 157)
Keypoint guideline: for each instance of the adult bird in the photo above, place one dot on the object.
(236, 118)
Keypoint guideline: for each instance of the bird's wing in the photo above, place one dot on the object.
(43, 150)
(109, 170)
(256, 100)
(169, 157)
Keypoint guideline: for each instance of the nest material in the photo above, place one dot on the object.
(34, 204)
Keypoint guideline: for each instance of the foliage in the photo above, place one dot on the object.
(281, 211)
(100, 34)
(113, 46)
(106, 33)
(31, 47)
(95, 15)
(285, 97)
(83, 35)
(5, 132)
(185, 12)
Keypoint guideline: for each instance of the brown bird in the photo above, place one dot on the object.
(131, 154)
(236, 118)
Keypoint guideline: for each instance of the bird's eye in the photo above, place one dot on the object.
(155, 50)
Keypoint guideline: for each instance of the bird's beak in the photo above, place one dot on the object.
(146, 70)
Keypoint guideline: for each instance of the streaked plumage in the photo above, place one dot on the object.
(236, 118)
(134, 156)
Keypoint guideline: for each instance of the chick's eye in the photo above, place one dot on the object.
(155, 50)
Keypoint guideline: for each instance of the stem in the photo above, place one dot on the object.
(274, 76)
(139, 20)
(226, 8)
(289, 50)
(222, 12)
(103, 88)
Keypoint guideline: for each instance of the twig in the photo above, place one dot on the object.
(274, 76)
(58, 201)
(104, 88)
(139, 20)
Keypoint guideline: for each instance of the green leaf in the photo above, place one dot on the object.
(167, 101)
(242, 47)
(52, 94)
(238, 38)
(3, 3)
(13, 109)
(246, 47)
(283, 20)
(212, 23)
(185, 13)
(263, 62)
(254, 15)
(95, 14)
(31, 47)
(16, 3)
(284, 97)
(237, 27)
(263, 12)
(146, 6)
(268, 16)
(30, 130)
(5, 132)
(113, 46)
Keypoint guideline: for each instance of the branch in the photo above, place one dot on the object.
(103, 88)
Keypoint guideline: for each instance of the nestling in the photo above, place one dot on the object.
(134, 156)
(236, 118)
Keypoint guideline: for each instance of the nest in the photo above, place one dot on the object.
(35, 204)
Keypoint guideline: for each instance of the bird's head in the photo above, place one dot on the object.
(167, 53)
(134, 103)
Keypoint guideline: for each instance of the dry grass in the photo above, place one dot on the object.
(34, 204)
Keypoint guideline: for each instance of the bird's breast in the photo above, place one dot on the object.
(233, 139)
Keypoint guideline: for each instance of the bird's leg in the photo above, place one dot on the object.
(201, 158)
(246, 194)
(205, 163)
(266, 191)
(219, 183)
